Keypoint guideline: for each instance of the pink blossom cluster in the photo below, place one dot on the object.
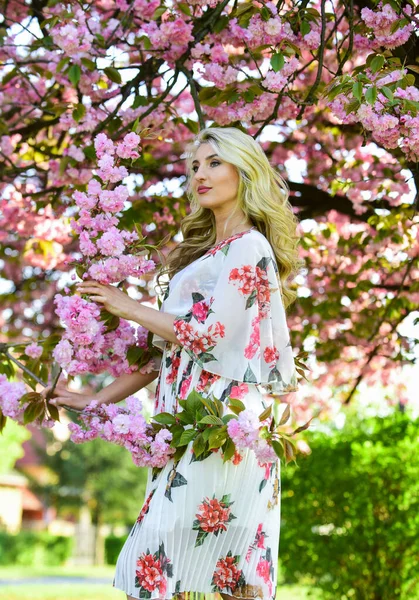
(127, 427)
(171, 38)
(392, 124)
(245, 433)
(108, 252)
(74, 37)
(275, 82)
(85, 346)
(382, 22)
(33, 350)
(10, 394)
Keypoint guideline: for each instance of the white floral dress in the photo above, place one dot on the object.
(208, 526)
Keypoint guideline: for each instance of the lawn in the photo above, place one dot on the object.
(88, 590)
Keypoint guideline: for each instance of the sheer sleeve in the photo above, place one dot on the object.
(239, 331)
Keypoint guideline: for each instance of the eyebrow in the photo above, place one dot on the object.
(210, 156)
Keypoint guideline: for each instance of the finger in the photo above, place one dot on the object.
(98, 298)
(89, 290)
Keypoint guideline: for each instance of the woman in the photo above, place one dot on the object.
(209, 526)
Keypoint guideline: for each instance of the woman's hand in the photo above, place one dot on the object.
(114, 300)
(61, 396)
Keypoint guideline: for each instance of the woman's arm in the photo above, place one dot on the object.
(121, 305)
(118, 390)
(124, 386)
(156, 321)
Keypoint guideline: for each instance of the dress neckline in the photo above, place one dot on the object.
(231, 236)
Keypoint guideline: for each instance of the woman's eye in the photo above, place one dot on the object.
(211, 163)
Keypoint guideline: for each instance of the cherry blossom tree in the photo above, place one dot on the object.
(98, 100)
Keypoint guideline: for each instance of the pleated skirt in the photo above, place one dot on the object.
(205, 528)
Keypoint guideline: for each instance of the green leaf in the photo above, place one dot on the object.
(357, 90)
(62, 63)
(211, 420)
(228, 418)
(377, 63)
(187, 436)
(277, 61)
(89, 152)
(139, 101)
(53, 411)
(74, 73)
(89, 64)
(199, 445)
(352, 106)
(305, 28)
(278, 449)
(266, 413)
(176, 431)
(229, 450)
(207, 94)
(186, 417)
(210, 406)
(134, 354)
(220, 407)
(159, 12)
(387, 92)
(33, 411)
(3, 421)
(285, 415)
(113, 74)
(371, 95)
(193, 402)
(217, 437)
(165, 418)
(236, 403)
(220, 23)
(79, 112)
(183, 6)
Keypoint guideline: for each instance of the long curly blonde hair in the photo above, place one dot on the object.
(262, 196)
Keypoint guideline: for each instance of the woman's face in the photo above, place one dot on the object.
(210, 171)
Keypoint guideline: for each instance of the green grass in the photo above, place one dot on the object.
(68, 591)
(12, 572)
(87, 591)
(102, 592)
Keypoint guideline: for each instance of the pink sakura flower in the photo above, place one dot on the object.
(33, 350)
(10, 394)
(128, 147)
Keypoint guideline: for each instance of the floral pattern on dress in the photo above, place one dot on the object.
(144, 510)
(265, 569)
(152, 572)
(212, 517)
(227, 576)
(174, 480)
(268, 469)
(259, 541)
(276, 487)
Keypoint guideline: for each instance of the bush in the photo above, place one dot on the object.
(350, 512)
(34, 548)
(113, 546)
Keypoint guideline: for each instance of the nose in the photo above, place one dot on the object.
(200, 174)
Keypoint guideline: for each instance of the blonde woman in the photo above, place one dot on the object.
(209, 527)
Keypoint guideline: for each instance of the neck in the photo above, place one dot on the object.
(222, 233)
